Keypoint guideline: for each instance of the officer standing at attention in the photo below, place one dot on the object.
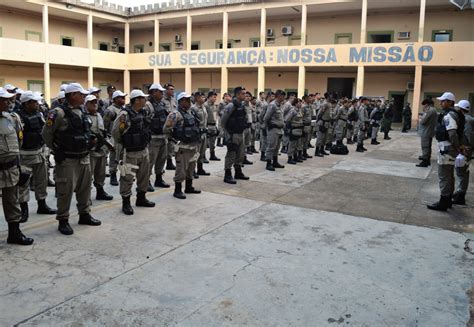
(32, 155)
(67, 134)
(183, 125)
(294, 127)
(263, 128)
(323, 120)
(159, 140)
(212, 110)
(274, 122)
(201, 114)
(234, 123)
(426, 130)
(341, 117)
(10, 141)
(363, 123)
(307, 117)
(131, 135)
(387, 119)
(171, 105)
(449, 133)
(406, 114)
(100, 151)
(462, 170)
(375, 118)
(95, 91)
(110, 97)
(111, 113)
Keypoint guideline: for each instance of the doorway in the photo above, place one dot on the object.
(340, 87)
(398, 103)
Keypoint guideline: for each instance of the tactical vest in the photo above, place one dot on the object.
(159, 117)
(137, 136)
(188, 132)
(32, 129)
(74, 140)
(237, 122)
(297, 120)
(441, 133)
(9, 146)
(378, 115)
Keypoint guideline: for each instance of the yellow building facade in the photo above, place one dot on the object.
(405, 49)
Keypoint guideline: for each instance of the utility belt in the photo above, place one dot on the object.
(31, 152)
(343, 119)
(211, 124)
(75, 155)
(272, 126)
(307, 124)
(9, 164)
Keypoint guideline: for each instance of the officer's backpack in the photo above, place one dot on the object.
(339, 149)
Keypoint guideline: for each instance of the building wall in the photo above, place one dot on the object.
(14, 24)
(461, 22)
(322, 29)
(60, 28)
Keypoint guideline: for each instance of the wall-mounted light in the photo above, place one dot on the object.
(69, 6)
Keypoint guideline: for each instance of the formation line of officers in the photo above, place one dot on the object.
(138, 139)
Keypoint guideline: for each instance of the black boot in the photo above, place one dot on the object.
(306, 155)
(178, 193)
(228, 177)
(201, 171)
(317, 152)
(219, 142)
(239, 174)
(195, 175)
(150, 187)
(459, 198)
(424, 163)
(15, 236)
(87, 219)
(359, 148)
(142, 201)
(284, 149)
(301, 156)
(247, 162)
(126, 206)
(190, 189)
(276, 164)
(248, 151)
(169, 164)
(113, 179)
(354, 139)
(204, 159)
(375, 142)
(102, 195)
(262, 156)
(64, 227)
(269, 165)
(441, 205)
(24, 212)
(159, 182)
(253, 149)
(386, 137)
(291, 161)
(43, 208)
(213, 156)
(323, 152)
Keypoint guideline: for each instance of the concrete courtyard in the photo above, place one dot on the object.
(334, 241)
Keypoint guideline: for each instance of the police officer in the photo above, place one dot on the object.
(159, 140)
(67, 134)
(110, 114)
(323, 121)
(32, 155)
(341, 117)
(234, 122)
(426, 130)
(95, 91)
(171, 105)
(201, 113)
(212, 110)
(274, 122)
(131, 135)
(406, 114)
(386, 125)
(352, 117)
(263, 128)
(294, 127)
(110, 99)
(363, 123)
(100, 151)
(307, 117)
(183, 125)
(375, 118)
(449, 133)
(462, 170)
(10, 141)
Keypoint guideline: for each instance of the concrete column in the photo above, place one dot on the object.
(363, 24)
(188, 80)
(225, 29)
(90, 37)
(46, 72)
(301, 80)
(156, 40)
(304, 19)
(189, 32)
(127, 38)
(261, 80)
(263, 27)
(156, 75)
(45, 24)
(224, 80)
(90, 76)
(126, 81)
(47, 82)
(360, 81)
(417, 94)
(421, 29)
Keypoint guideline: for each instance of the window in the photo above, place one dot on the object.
(35, 86)
(139, 48)
(67, 41)
(33, 36)
(442, 36)
(165, 46)
(195, 45)
(380, 37)
(121, 49)
(254, 42)
(230, 44)
(343, 38)
(103, 46)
